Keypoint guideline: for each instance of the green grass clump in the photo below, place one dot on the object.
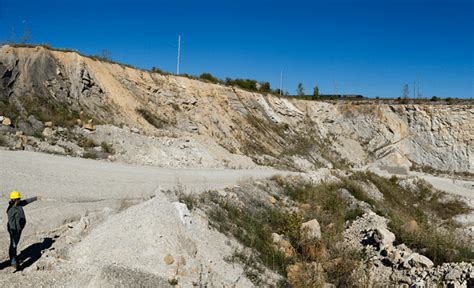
(188, 199)
(252, 229)
(3, 141)
(90, 154)
(107, 148)
(85, 142)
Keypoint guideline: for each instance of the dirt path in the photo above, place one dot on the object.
(74, 187)
(71, 185)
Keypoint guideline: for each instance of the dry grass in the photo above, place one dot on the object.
(435, 235)
(90, 154)
(107, 148)
(151, 118)
(252, 225)
(325, 203)
(3, 141)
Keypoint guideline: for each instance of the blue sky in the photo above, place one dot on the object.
(369, 47)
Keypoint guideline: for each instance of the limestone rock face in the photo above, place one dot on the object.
(234, 122)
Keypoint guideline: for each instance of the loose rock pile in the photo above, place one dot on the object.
(398, 263)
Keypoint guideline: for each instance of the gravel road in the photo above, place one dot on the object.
(73, 187)
(83, 180)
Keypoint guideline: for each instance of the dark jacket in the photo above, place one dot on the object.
(16, 215)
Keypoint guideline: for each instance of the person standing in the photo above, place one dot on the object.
(16, 223)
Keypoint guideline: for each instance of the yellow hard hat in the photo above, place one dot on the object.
(15, 195)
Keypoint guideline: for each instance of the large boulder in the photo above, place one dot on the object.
(5, 121)
(311, 230)
(417, 260)
(36, 125)
(47, 132)
(383, 237)
(283, 245)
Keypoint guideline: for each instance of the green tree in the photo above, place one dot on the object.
(315, 92)
(265, 87)
(209, 77)
(300, 90)
(156, 70)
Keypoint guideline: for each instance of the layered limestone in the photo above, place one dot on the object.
(229, 125)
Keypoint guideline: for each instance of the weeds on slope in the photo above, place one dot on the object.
(283, 142)
(254, 229)
(325, 203)
(253, 223)
(420, 217)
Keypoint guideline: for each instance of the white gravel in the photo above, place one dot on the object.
(73, 188)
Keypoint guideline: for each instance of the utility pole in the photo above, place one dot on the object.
(418, 85)
(179, 54)
(281, 80)
(414, 89)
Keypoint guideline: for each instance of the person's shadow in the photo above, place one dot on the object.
(30, 255)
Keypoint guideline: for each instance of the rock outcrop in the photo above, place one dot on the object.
(243, 124)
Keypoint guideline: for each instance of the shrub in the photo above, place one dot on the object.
(3, 141)
(38, 135)
(209, 77)
(85, 142)
(107, 148)
(265, 87)
(156, 70)
(246, 84)
(90, 154)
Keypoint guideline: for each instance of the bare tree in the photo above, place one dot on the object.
(105, 55)
(300, 89)
(25, 37)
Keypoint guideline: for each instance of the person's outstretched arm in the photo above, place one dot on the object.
(28, 201)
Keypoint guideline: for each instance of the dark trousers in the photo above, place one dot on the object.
(14, 240)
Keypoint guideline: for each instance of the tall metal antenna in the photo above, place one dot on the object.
(281, 80)
(418, 93)
(179, 54)
(414, 89)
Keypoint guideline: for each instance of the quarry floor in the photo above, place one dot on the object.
(73, 187)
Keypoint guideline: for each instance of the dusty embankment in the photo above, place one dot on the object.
(78, 194)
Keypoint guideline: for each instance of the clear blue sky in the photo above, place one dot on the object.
(369, 47)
